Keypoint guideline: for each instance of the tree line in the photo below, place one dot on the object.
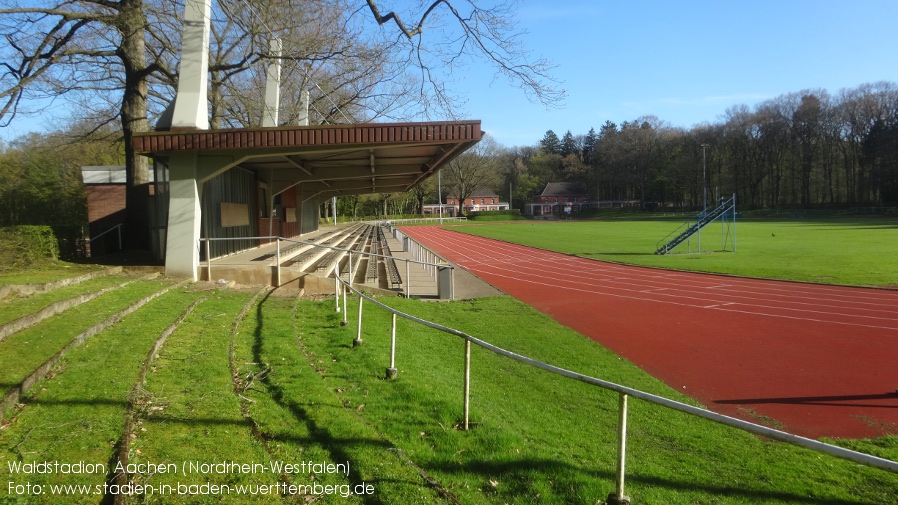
(806, 149)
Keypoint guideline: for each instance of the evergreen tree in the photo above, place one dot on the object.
(568, 146)
(589, 144)
(550, 143)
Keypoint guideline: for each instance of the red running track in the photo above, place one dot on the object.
(809, 359)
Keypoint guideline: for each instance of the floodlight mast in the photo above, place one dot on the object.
(704, 179)
(704, 195)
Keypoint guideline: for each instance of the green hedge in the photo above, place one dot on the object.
(495, 215)
(27, 245)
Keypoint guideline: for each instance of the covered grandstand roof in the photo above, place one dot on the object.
(329, 160)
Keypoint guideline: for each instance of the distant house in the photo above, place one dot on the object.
(105, 189)
(481, 200)
(561, 199)
(557, 199)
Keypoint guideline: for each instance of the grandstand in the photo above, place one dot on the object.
(369, 251)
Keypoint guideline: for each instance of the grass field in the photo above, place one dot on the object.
(202, 375)
(852, 251)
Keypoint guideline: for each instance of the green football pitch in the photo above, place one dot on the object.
(856, 251)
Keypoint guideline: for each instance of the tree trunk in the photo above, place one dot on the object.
(131, 24)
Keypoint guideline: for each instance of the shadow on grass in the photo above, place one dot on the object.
(5, 387)
(821, 400)
(194, 421)
(600, 254)
(517, 478)
(93, 401)
(318, 434)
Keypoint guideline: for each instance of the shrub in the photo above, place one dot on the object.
(27, 245)
(495, 215)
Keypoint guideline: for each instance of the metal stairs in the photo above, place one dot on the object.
(691, 228)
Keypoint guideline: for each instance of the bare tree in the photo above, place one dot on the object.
(474, 170)
(468, 30)
(350, 75)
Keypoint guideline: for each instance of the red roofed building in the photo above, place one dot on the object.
(564, 199)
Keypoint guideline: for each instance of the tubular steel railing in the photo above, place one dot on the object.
(117, 228)
(420, 220)
(618, 497)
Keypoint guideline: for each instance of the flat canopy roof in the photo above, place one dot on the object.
(329, 160)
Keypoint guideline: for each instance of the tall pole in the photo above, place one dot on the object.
(704, 195)
(704, 179)
(440, 193)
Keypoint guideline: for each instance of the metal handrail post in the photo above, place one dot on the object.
(618, 497)
(343, 322)
(452, 282)
(277, 278)
(358, 338)
(337, 287)
(391, 371)
(408, 281)
(467, 388)
(208, 262)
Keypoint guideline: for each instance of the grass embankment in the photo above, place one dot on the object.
(189, 412)
(26, 350)
(36, 302)
(850, 251)
(77, 414)
(45, 272)
(302, 414)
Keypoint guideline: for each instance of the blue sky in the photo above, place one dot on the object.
(684, 61)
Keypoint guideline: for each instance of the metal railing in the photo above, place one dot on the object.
(420, 220)
(429, 259)
(625, 392)
(118, 228)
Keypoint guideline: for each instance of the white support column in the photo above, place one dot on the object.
(182, 255)
(273, 86)
(191, 107)
(191, 112)
(303, 119)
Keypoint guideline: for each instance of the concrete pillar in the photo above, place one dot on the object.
(273, 86)
(303, 119)
(182, 253)
(191, 110)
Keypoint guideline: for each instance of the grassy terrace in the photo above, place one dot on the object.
(256, 377)
(36, 302)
